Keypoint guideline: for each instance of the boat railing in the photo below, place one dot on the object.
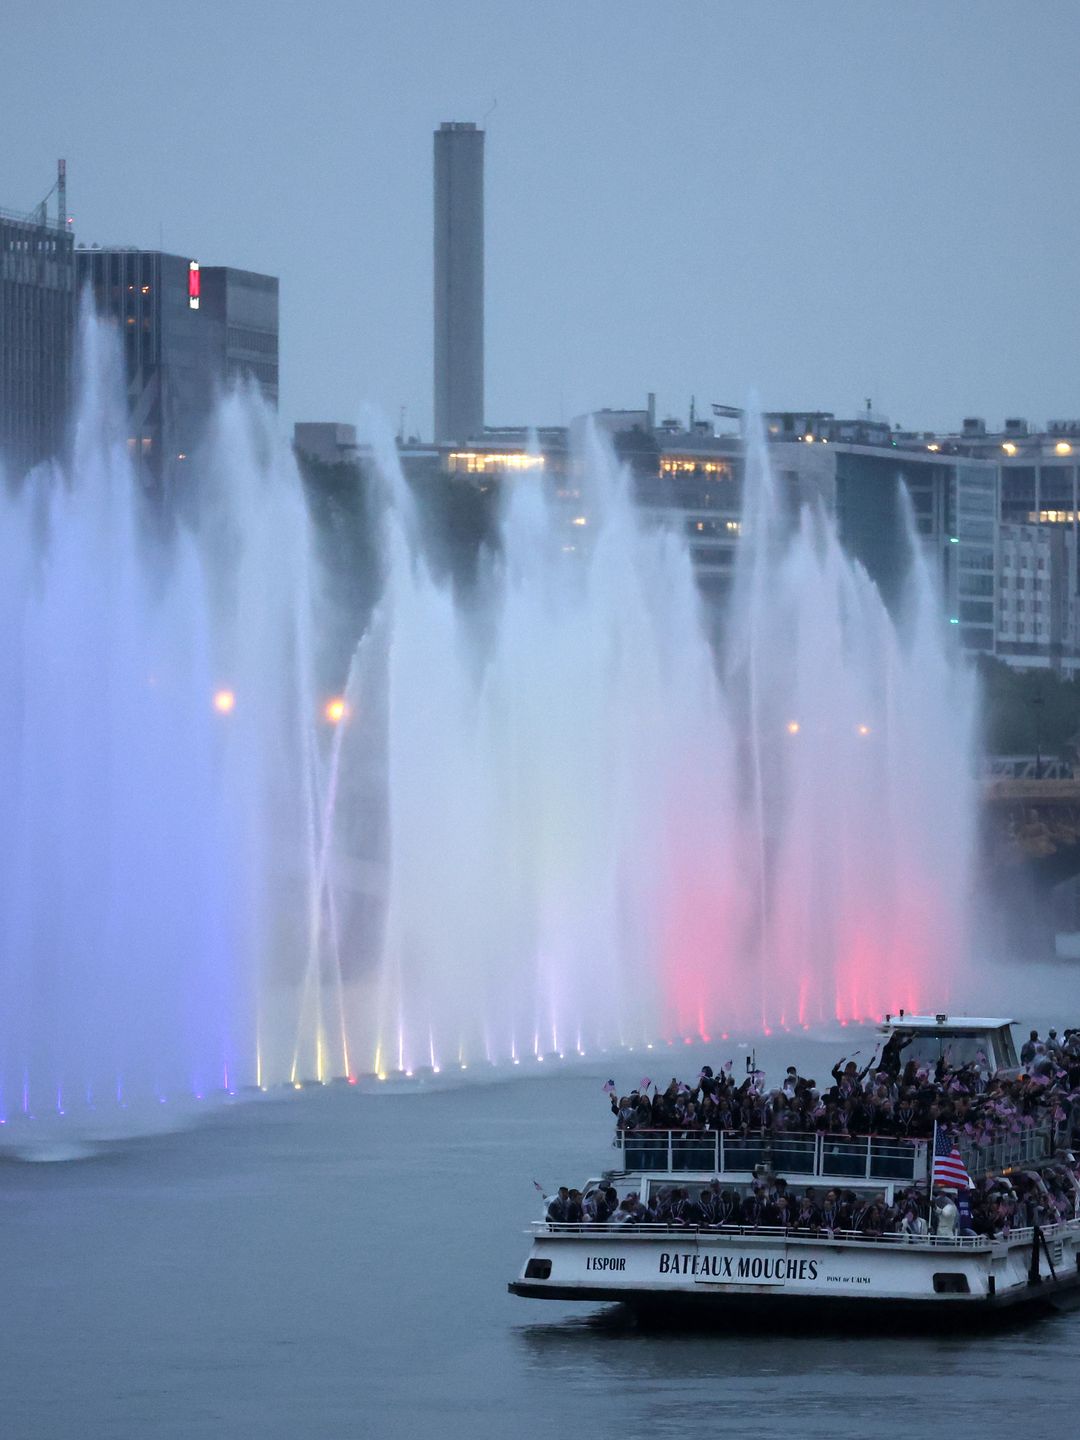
(766, 1232)
(1012, 1152)
(656, 1230)
(719, 1152)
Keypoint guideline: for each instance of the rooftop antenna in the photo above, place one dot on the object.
(41, 210)
(61, 193)
(869, 405)
(487, 112)
(401, 426)
(692, 398)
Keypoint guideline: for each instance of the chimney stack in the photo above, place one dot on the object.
(459, 282)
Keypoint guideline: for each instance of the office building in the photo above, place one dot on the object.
(459, 282)
(244, 305)
(186, 332)
(37, 332)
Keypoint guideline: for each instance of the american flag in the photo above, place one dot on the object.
(948, 1167)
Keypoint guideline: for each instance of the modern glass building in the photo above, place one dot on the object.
(245, 305)
(37, 329)
(186, 332)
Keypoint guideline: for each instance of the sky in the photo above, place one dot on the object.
(817, 202)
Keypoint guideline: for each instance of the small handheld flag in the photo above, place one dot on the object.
(645, 1083)
(609, 1087)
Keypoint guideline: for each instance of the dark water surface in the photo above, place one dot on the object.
(335, 1265)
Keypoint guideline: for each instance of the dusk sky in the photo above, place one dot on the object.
(820, 202)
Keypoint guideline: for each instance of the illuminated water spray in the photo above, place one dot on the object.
(597, 828)
(162, 791)
(549, 820)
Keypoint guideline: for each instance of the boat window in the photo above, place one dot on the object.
(1003, 1044)
(538, 1270)
(951, 1282)
(928, 1049)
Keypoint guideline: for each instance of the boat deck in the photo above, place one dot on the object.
(885, 1159)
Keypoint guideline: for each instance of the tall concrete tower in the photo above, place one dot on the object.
(459, 281)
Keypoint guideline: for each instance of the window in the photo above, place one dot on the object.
(950, 1282)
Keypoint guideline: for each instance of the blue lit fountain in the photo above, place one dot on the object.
(159, 797)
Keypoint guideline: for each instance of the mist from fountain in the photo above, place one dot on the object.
(601, 836)
(552, 819)
(159, 800)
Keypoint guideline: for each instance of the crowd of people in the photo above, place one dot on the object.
(996, 1207)
(886, 1097)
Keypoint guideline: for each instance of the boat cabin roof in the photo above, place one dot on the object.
(943, 1024)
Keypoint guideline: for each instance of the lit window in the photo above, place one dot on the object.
(481, 462)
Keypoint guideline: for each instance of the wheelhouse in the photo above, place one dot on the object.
(961, 1039)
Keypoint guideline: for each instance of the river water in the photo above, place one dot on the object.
(329, 1264)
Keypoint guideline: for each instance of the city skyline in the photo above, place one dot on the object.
(708, 249)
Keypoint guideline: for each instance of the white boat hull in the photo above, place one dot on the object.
(716, 1270)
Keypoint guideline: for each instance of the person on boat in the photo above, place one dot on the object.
(1028, 1049)
(594, 1206)
(725, 1204)
(871, 1223)
(807, 1217)
(753, 1204)
(912, 1224)
(624, 1215)
(556, 1206)
(830, 1212)
(965, 1219)
(945, 1217)
(895, 1046)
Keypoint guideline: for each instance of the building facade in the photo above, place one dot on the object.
(459, 282)
(243, 306)
(185, 333)
(37, 336)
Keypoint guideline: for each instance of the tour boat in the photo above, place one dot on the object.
(735, 1270)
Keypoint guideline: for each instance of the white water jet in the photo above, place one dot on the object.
(599, 836)
(550, 820)
(159, 796)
